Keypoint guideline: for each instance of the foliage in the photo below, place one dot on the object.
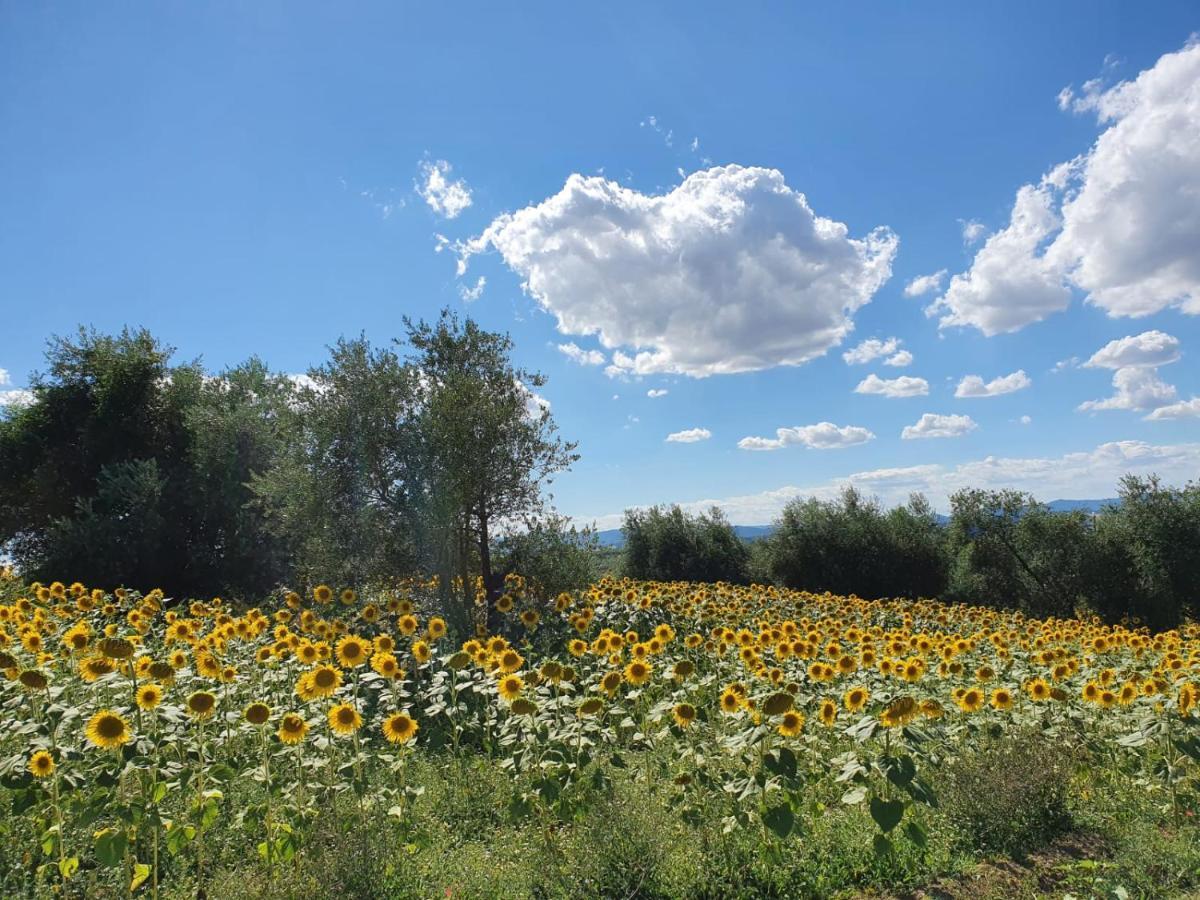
(669, 544)
(552, 554)
(851, 546)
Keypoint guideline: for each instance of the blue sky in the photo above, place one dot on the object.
(262, 178)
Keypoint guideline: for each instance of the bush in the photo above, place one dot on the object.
(1009, 796)
(667, 544)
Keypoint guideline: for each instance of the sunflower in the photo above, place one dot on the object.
(1038, 689)
(41, 764)
(792, 723)
(510, 686)
(353, 651)
(201, 704)
(386, 665)
(731, 702)
(400, 728)
(856, 698)
(900, 712)
(577, 647)
(407, 625)
(510, 660)
(971, 700)
(319, 683)
(1002, 698)
(610, 682)
(421, 652)
(684, 714)
(257, 713)
(344, 719)
(590, 707)
(108, 730)
(828, 713)
(34, 679)
(149, 695)
(322, 593)
(437, 627)
(292, 728)
(638, 672)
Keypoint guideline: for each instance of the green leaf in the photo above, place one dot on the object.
(886, 813)
(780, 820)
(883, 846)
(915, 833)
(781, 762)
(68, 867)
(110, 847)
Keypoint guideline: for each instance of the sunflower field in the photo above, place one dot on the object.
(631, 739)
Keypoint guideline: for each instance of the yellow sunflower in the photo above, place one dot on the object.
(344, 719)
(292, 728)
(400, 728)
(108, 730)
(41, 764)
(149, 695)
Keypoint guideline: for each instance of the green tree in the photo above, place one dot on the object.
(667, 544)
(492, 443)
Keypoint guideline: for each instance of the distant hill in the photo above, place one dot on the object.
(612, 537)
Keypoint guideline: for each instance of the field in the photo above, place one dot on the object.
(632, 739)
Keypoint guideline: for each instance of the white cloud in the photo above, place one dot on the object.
(1025, 420)
(730, 271)
(535, 403)
(932, 425)
(575, 353)
(870, 349)
(903, 386)
(1136, 389)
(4, 377)
(822, 436)
(974, 386)
(470, 294)
(1089, 473)
(925, 284)
(972, 230)
(1119, 223)
(1146, 350)
(445, 197)
(1184, 409)
(689, 436)
(15, 398)
(1063, 364)
(899, 359)
(655, 393)
(1009, 285)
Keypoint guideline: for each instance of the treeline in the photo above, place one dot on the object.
(1139, 558)
(430, 454)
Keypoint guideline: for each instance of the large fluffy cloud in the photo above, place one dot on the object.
(1085, 474)
(1145, 350)
(1121, 223)
(822, 436)
(1184, 409)
(932, 425)
(903, 386)
(730, 271)
(974, 386)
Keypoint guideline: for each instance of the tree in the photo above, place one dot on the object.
(848, 545)
(667, 544)
(491, 440)
(128, 470)
(552, 554)
(350, 492)
(1008, 550)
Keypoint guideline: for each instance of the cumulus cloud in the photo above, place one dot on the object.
(1120, 222)
(689, 436)
(655, 393)
(1146, 350)
(870, 349)
(903, 386)
(1087, 473)
(822, 436)
(932, 425)
(925, 284)
(1184, 409)
(730, 271)
(899, 359)
(470, 294)
(1134, 389)
(1011, 283)
(972, 230)
(445, 197)
(974, 386)
(575, 353)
